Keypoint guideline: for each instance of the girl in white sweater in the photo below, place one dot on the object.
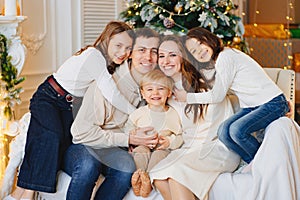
(261, 100)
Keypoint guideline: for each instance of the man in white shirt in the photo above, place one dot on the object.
(98, 141)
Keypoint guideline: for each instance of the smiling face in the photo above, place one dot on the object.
(144, 54)
(156, 95)
(119, 47)
(200, 51)
(170, 59)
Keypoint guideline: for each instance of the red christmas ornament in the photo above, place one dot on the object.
(169, 22)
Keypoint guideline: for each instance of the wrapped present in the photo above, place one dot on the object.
(276, 31)
(295, 32)
(297, 62)
(274, 52)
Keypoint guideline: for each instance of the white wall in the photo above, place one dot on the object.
(38, 35)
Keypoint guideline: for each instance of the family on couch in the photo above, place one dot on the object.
(203, 72)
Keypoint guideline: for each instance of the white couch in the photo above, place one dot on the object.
(285, 79)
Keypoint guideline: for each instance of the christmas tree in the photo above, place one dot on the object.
(178, 16)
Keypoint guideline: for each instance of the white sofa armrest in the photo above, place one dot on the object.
(285, 79)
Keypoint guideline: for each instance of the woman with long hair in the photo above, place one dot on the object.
(190, 171)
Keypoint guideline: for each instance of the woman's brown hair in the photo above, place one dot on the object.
(101, 43)
(191, 78)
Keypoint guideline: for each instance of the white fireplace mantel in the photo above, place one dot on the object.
(9, 28)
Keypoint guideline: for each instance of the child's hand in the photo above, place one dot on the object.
(291, 111)
(180, 95)
(163, 143)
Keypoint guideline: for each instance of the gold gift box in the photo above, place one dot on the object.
(275, 31)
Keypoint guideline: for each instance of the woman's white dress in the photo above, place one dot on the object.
(202, 157)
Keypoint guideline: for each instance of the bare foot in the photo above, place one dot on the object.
(136, 182)
(146, 186)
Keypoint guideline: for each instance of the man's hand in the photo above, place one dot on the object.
(139, 137)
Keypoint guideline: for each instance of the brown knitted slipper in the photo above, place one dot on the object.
(136, 182)
(146, 187)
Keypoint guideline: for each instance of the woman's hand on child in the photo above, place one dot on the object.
(180, 95)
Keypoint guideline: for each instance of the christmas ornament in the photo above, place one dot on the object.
(178, 7)
(169, 22)
(228, 8)
(237, 40)
(178, 16)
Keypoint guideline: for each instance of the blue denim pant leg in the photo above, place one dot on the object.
(224, 134)
(254, 119)
(117, 170)
(84, 165)
(47, 138)
(84, 168)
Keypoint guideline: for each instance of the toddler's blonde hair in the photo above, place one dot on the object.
(158, 77)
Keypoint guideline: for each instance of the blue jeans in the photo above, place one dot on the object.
(236, 131)
(47, 139)
(85, 165)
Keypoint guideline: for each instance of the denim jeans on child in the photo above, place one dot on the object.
(48, 137)
(236, 132)
(85, 165)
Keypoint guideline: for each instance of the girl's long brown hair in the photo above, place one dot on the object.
(101, 43)
(201, 83)
(191, 78)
